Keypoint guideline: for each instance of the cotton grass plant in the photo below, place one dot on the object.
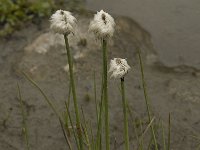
(63, 22)
(119, 68)
(102, 25)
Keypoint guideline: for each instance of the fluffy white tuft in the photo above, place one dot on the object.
(102, 25)
(62, 22)
(119, 67)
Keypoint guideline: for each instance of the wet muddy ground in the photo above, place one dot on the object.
(42, 55)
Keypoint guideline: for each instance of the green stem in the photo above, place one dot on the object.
(73, 91)
(25, 129)
(134, 125)
(53, 107)
(85, 131)
(141, 130)
(92, 135)
(163, 137)
(66, 137)
(146, 98)
(95, 97)
(72, 125)
(169, 132)
(66, 114)
(125, 115)
(105, 73)
(99, 135)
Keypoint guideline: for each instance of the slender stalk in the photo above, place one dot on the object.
(66, 114)
(134, 126)
(85, 129)
(150, 142)
(73, 129)
(124, 102)
(105, 74)
(169, 132)
(145, 131)
(66, 137)
(74, 92)
(95, 96)
(44, 95)
(92, 135)
(25, 129)
(69, 95)
(141, 130)
(163, 137)
(99, 135)
(146, 98)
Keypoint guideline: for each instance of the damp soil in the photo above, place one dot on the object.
(41, 54)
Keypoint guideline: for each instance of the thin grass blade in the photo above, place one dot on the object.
(66, 137)
(25, 129)
(44, 95)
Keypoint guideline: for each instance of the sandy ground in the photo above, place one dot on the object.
(42, 55)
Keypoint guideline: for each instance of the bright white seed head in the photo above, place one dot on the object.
(102, 25)
(118, 67)
(62, 22)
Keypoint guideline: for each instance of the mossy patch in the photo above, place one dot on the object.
(15, 12)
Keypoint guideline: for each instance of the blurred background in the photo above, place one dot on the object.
(173, 25)
(168, 32)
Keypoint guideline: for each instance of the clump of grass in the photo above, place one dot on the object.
(62, 22)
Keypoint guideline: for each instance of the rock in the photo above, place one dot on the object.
(45, 58)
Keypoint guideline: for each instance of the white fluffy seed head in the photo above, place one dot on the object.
(102, 25)
(118, 67)
(62, 22)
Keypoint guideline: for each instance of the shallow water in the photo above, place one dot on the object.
(174, 26)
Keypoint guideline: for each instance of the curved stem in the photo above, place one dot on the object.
(53, 107)
(146, 98)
